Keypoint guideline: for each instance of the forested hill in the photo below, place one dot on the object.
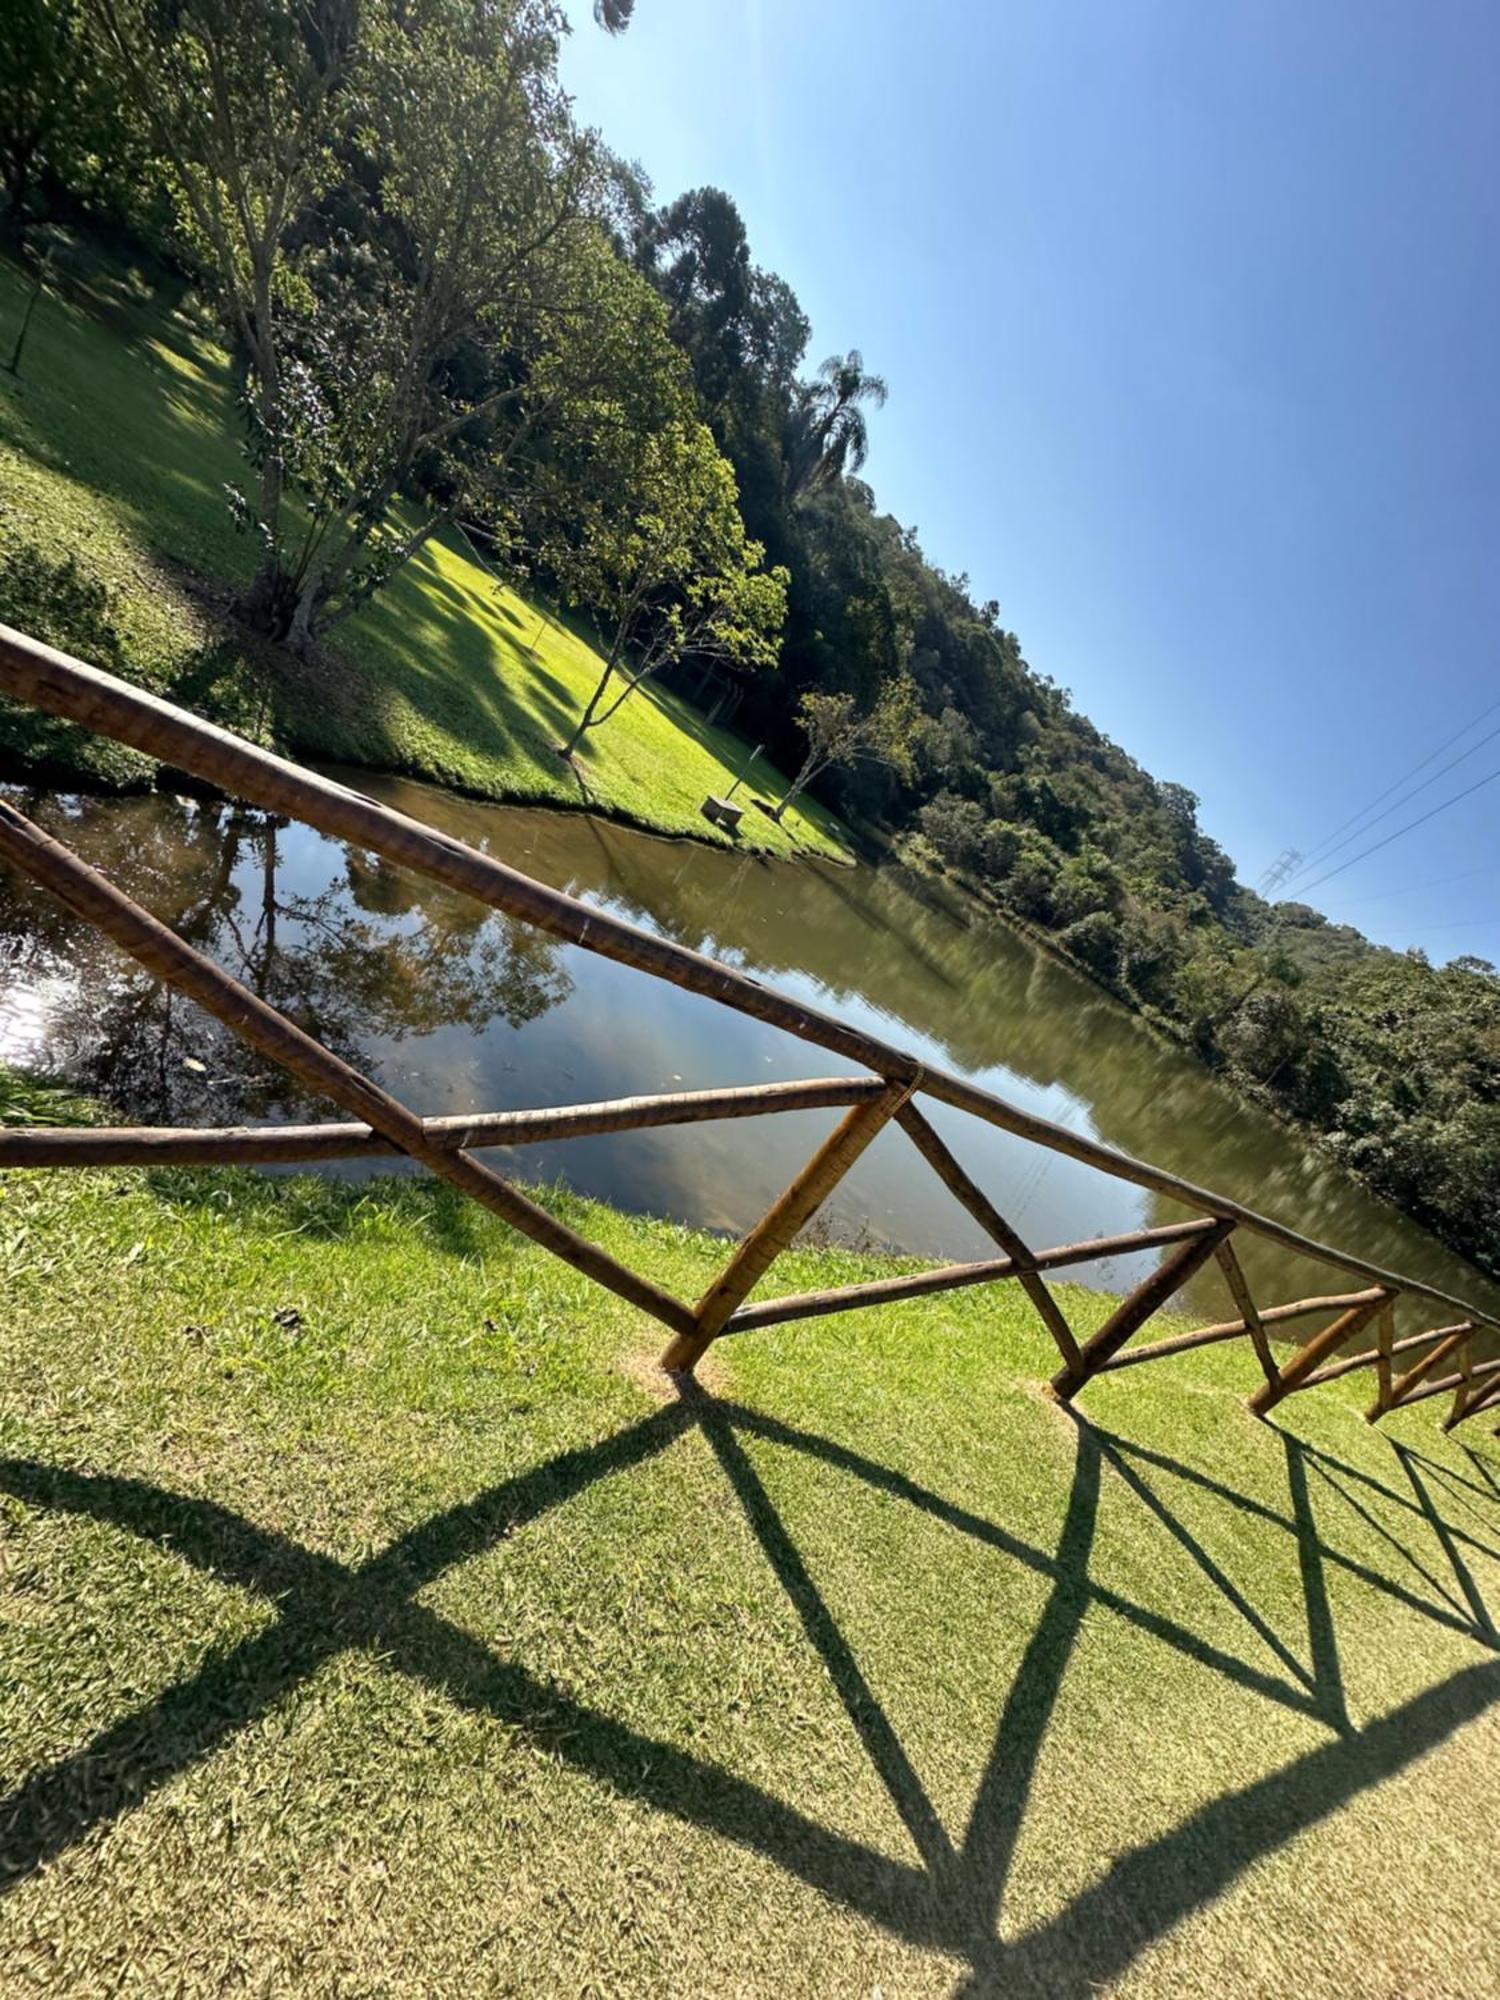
(448, 307)
(1394, 1062)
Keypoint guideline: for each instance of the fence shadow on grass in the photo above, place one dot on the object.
(951, 1897)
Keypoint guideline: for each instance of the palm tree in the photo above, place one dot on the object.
(827, 433)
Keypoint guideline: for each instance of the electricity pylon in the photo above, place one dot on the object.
(1286, 863)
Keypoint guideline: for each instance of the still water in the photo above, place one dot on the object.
(455, 1009)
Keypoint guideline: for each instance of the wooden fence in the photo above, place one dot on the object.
(888, 1092)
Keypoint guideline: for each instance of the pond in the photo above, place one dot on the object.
(455, 1008)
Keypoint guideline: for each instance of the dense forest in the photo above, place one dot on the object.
(448, 303)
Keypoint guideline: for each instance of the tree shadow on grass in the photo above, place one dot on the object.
(951, 1895)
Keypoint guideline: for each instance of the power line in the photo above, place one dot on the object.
(1407, 796)
(1464, 924)
(1410, 827)
(1321, 850)
(1397, 783)
(1414, 888)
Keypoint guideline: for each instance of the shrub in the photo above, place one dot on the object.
(1094, 941)
(955, 828)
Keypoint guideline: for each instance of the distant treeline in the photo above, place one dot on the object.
(447, 302)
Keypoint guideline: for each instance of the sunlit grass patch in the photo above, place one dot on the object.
(117, 446)
(372, 1619)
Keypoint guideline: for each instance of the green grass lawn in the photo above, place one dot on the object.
(373, 1621)
(116, 445)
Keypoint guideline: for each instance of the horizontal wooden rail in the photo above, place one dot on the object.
(36, 674)
(1228, 1329)
(954, 1277)
(1176, 1343)
(1448, 1384)
(1370, 1357)
(1236, 1329)
(281, 1145)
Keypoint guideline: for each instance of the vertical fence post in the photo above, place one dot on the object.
(1385, 1340)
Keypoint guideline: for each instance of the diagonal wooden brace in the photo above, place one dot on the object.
(1402, 1387)
(1318, 1349)
(1138, 1306)
(86, 892)
(1476, 1393)
(989, 1218)
(1244, 1304)
(780, 1224)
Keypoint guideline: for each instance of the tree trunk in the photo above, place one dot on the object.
(301, 630)
(585, 721)
(269, 601)
(793, 791)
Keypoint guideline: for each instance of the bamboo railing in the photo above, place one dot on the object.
(886, 1094)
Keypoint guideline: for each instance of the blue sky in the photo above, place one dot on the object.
(1191, 317)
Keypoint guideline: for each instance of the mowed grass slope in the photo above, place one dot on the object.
(117, 444)
(373, 1621)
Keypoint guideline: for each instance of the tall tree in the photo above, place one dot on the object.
(672, 573)
(839, 732)
(380, 195)
(741, 328)
(828, 435)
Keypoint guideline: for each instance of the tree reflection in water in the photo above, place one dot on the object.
(372, 954)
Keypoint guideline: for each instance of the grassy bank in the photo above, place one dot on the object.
(116, 445)
(373, 1621)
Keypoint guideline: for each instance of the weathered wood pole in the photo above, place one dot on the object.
(953, 1277)
(262, 1145)
(1138, 1306)
(795, 1207)
(1455, 1384)
(1477, 1391)
(1306, 1359)
(1385, 1340)
(160, 950)
(1369, 1357)
(977, 1202)
(1162, 1350)
(1239, 1292)
(1402, 1387)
